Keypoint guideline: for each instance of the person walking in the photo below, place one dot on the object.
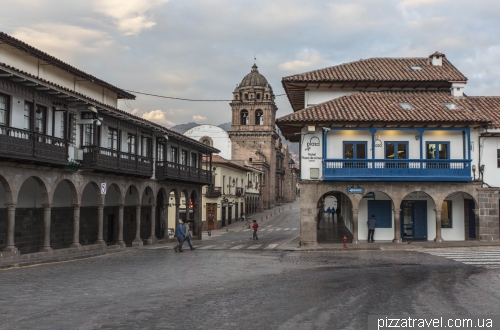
(242, 217)
(255, 226)
(329, 212)
(372, 223)
(179, 234)
(187, 236)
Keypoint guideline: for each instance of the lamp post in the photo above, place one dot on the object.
(291, 164)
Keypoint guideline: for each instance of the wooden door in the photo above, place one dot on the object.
(211, 215)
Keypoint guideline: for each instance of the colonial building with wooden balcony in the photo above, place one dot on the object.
(396, 138)
(69, 158)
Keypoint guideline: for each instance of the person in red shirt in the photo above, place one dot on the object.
(255, 226)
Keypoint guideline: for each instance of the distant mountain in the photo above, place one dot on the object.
(226, 126)
(181, 128)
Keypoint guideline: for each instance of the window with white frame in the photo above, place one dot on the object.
(112, 139)
(4, 109)
(27, 115)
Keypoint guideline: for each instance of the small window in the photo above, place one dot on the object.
(250, 159)
(258, 96)
(406, 105)
(131, 143)
(246, 96)
(446, 218)
(207, 142)
(416, 68)
(40, 119)
(112, 138)
(27, 115)
(4, 109)
(160, 152)
(451, 106)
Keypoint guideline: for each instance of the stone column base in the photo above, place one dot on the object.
(137, 242)
(11, 249)
(100, 241)
(75, 245)
(121, 243)
(308, 243)
(355, 241)
(397, 241)
(46, 249)
(152, 240)
(439, 240)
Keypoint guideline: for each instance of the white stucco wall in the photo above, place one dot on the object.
(22, 61)
(489, 158)
(219, 137)
(311, 153)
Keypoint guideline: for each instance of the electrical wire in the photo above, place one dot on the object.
(181, 99)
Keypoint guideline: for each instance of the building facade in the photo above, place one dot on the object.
(78, 173)
(396, 138)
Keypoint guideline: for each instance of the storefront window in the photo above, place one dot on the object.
(446, 215)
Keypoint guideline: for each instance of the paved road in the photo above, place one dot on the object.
(242, 288)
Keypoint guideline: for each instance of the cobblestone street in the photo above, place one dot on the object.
(233, 289)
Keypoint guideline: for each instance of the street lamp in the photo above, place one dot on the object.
(291, 164)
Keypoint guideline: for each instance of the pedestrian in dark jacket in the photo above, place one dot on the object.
(255, 226)
(187, 235)
(372, 223)
(180, 235)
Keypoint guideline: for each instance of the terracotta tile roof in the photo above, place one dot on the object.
(489, 106)
(108, 107)
(32, 51)
(382, 69)
(384, 107)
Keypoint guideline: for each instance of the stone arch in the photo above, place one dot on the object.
(65, 210)
(458, 216)
(91, 200)
(113, 204)
(244, 117)
(148, 219)
(31, 228)
(6, 200)
(333, 228)
(381, 205)
(207, 140)
(417, 215)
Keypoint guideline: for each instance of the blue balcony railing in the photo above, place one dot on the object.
(397, 170)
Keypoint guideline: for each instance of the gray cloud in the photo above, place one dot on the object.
(202, 49)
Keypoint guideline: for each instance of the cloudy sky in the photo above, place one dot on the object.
(200, 49)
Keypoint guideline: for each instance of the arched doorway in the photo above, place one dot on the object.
(417, 218)
(332, 228)
(173, 210)
(113, 210)
(381, 206)
(161, 214)
(458, 218)
(148, 219)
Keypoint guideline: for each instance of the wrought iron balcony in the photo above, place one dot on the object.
(171, 171)
(213, 192)
(117, 162)
(397, 170)
(18, 144)
(239, 192)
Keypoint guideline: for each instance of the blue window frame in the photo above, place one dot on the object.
(355, 150)
(396, 150)
(498, 158)
(438, 150)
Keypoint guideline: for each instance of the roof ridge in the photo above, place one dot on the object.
(41, 55)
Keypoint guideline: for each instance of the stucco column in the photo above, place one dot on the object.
(355, 226)
(120, 241)
(165, 220)
(137, 240)
(47, 208)
(438, 238)
(11, 222)
(152, 238)
(76, 226)
(397, 226)
(100, 222)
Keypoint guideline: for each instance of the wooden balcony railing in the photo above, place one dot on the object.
(32, 146)
(397, 170)
(107, 160)
(213, 192)
(172, 171)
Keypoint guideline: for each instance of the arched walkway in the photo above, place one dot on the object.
(7, 208)
(91, 215)
(131, 209)
(32, 227)
(65, 216)
(331, 228)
